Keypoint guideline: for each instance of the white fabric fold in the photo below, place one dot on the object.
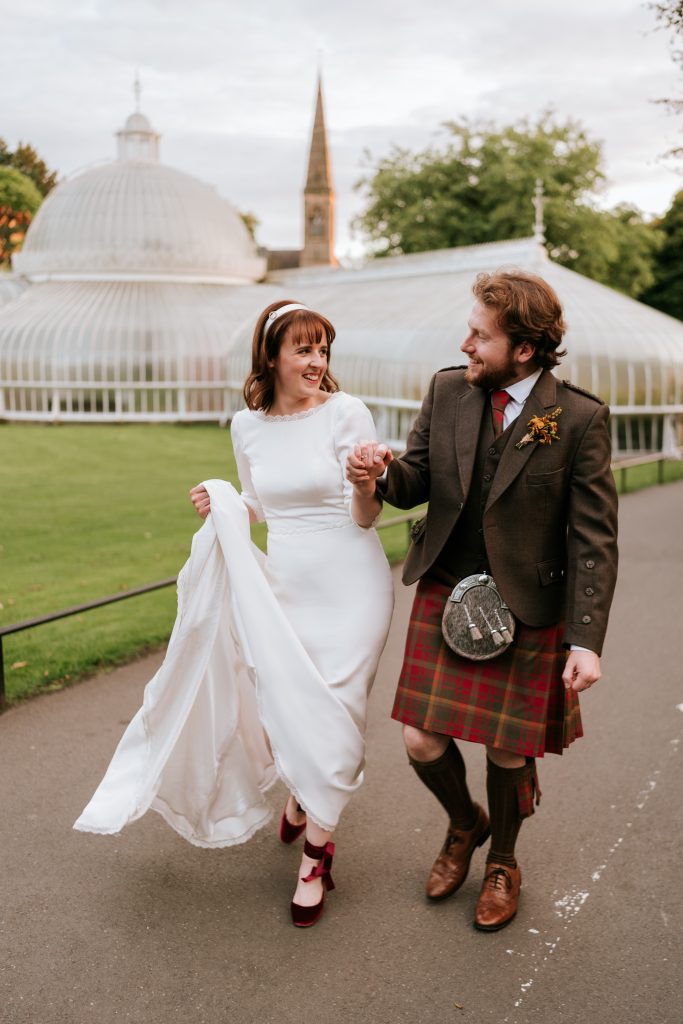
(196, 751)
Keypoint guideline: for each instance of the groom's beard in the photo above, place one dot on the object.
(481, 376)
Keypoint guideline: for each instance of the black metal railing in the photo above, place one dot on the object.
(64, 613)
(620, 467)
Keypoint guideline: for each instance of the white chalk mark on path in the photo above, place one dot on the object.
(569, 905)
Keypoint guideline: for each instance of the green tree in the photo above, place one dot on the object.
(25, 159)
(251, 223)
(666, 292)
(479, 187)
(19, 200)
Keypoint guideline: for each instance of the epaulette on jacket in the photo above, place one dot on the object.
(582, 391)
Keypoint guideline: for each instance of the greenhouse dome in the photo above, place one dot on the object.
(135, 295)
(123, 279)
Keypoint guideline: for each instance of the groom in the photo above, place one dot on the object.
(515, 465)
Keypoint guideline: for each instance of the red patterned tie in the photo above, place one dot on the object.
(499, 399)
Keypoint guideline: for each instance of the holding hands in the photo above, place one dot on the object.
(366, 463)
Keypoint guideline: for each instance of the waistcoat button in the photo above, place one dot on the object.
(586, 619)
(590, 564)
(589, 591)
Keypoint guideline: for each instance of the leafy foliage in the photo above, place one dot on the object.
(666, 292)
(251, 223)
(479, 188)
(19, 200)
(26, 160)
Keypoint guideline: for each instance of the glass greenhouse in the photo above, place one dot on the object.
(136, 291)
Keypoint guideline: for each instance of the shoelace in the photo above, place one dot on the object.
(497, 877)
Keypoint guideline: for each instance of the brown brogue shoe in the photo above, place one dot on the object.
(450, 868)
(499, 897)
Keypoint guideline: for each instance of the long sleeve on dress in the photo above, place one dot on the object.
(248, 494)
(353, 423)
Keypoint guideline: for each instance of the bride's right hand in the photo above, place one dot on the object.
(199, 496)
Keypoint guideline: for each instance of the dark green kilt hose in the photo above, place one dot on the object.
(514, 702)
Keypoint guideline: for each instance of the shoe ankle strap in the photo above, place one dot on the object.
(324, 855)
(318, 852)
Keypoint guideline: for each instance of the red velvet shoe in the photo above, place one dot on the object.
(290, 833)
(304, 917)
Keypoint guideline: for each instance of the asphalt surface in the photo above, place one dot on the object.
(143, 927)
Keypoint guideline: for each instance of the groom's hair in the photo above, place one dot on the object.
(526, 309)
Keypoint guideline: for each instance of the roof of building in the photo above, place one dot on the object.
(136, 218)
(400, 319)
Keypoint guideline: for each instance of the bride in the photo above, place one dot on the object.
(271, 661)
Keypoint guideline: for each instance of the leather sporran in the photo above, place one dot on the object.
(476, 622)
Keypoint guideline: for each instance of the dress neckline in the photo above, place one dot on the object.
(295, 415)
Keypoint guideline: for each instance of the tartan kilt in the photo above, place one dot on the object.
(514, 702)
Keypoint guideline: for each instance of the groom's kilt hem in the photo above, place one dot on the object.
(514, 702)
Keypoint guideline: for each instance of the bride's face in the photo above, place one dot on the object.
(300, 367)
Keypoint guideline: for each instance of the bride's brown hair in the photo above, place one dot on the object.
(304, 327)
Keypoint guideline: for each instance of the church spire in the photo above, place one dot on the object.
(319, 179)
(318, 247)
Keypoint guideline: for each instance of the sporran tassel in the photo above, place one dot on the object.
(495, 635)
(505, 632)
(475, 632)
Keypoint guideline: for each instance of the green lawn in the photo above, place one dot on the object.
(87, 511)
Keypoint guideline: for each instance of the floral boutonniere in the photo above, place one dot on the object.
(542, 429)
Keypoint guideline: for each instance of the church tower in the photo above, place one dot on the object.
(318, 247)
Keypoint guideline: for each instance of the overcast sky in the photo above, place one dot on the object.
(230, 85)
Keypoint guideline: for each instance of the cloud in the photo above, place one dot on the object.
(231, 86)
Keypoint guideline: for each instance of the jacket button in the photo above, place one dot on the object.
(492, 451)
(589, 591)
(487, 477)
(590, 564)
(586, 619)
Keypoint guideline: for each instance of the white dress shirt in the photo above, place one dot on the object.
(518, 392)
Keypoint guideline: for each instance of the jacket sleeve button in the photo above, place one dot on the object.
(586, 619)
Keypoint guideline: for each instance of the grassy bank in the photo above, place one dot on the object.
(88, 511)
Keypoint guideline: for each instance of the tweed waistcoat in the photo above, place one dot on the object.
(464, 552)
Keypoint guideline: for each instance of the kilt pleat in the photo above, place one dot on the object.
(515, 702)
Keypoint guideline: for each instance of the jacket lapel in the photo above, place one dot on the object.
(468, 415)
(513, 460)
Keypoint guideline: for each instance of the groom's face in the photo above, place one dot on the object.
(493, 362)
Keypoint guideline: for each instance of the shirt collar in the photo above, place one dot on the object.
(521, 389)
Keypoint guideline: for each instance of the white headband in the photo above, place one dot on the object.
(275, 313)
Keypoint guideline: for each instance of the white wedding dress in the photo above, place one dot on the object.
(285, 647)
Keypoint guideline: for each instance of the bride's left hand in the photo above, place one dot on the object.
(199, 496)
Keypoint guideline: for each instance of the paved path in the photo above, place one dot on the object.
(146, 928)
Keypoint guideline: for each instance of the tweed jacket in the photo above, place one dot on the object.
(550, 520)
